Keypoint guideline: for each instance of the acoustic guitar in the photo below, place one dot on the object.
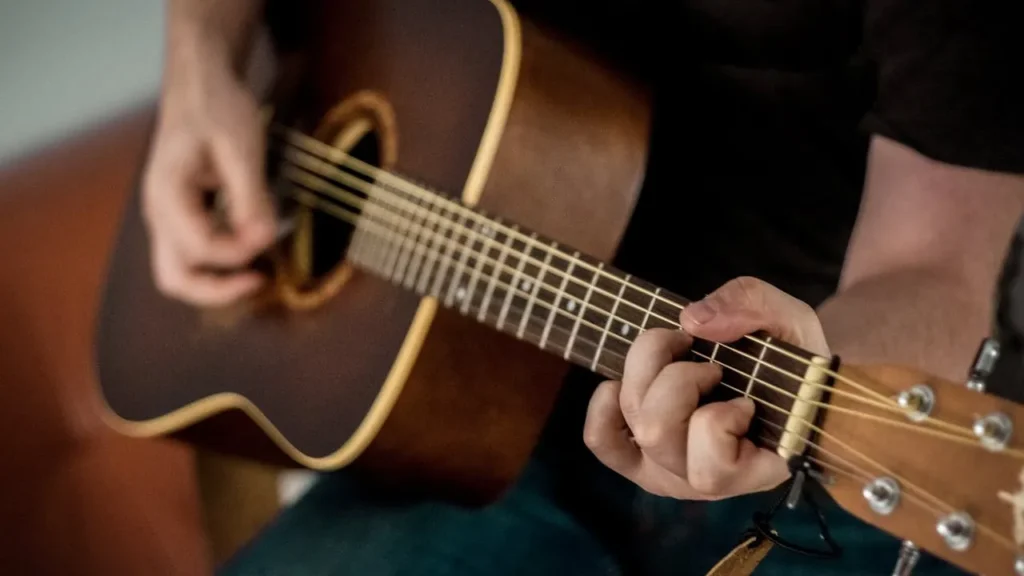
(421, 337)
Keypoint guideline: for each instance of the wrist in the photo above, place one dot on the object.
(207, 37)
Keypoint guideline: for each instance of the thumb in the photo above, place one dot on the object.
(746, 305)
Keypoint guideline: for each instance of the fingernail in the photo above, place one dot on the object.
(700, 312)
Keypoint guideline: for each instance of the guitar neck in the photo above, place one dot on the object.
(562, 301)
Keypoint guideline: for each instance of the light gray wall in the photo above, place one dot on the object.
(67, 63)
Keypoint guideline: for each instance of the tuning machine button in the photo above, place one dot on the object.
(909, 555)
(957, 529)
(882, 494)
(984, 364)
(994, 431)
(918, 402)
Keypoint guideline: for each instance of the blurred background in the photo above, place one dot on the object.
(65, 64)
(83, 500)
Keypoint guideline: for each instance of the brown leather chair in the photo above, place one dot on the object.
(76, 499)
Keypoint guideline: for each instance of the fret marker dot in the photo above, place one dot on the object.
(570, 305)
(526, 285)
(624, 330)
(460, 293)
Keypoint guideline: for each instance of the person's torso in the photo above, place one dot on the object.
(757, 160)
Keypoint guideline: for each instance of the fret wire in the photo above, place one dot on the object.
(532, 299)
(432, 256)
(405, 259)
(405, 189)
(403, 196)
(650, 308)
(474, 276)
(505, 247)
(378, 251)
(390, 270)
(592, 287)
(415, 264)
(608, 324)
(583, 309)
(401, 234)
(466, 213)
(554, 308)
(757, 365)
(578, 319)
(511, 293)
(714, 351)
(459, 229)
(442, 273)
(558, 299)
(454, 284)
(646, 317)
(393, 240)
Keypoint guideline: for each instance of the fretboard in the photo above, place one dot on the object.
(564, 302)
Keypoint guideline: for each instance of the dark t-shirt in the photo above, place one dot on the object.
(765, 110)
(764, 113)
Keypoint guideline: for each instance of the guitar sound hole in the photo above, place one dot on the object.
(314, 269)
(331, 236)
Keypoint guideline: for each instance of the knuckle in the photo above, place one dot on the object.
(595, 427)
(681, 373)
(708, 480)
(656, 489)
(168, 282)
(629, 403)
(746, 290)
(705, 420)
(650, 434)
(593, 438)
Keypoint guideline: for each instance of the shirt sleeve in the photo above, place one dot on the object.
(950, 79)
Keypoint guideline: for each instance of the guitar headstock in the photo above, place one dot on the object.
(929, 461)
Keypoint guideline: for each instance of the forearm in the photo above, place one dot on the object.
(918, 285)
(205, 32)
(925, 318)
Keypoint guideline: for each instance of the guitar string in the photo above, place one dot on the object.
(855, 476)
(306, 142)
(321, 186)
(967, 438)
(824, 406)
(908, 486)
(898, 423)
(308, 181)
(436, 200)
(771, 443)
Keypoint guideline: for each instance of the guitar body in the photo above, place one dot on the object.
(345, 367)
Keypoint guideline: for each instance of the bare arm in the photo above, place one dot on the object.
(918, 286)
(917, 289)
(204, 29)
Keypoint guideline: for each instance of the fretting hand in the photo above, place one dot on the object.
(649, 428)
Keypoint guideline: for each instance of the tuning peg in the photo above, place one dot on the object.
(909, 555)
(984, 363)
